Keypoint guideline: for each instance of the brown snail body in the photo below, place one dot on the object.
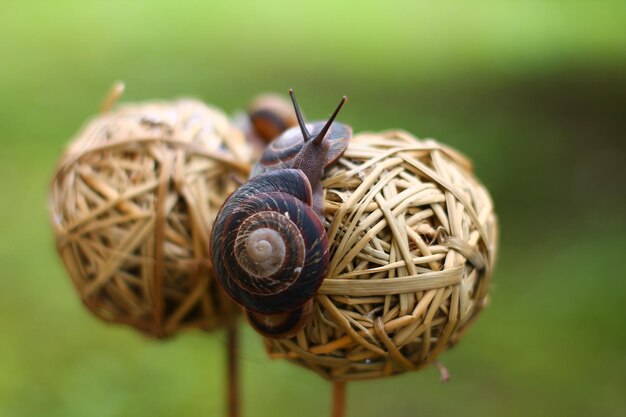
(269, 246)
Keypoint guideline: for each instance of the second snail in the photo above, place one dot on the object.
(357, 256)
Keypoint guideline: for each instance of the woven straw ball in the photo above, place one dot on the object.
(132, 202)
(413, 238)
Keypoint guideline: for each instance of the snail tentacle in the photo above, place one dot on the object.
(305, 132)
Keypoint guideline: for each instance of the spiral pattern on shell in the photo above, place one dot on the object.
(268, 247)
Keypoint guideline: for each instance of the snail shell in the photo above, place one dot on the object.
(270, 115)
(269, 248)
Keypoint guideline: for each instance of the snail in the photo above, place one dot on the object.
(269, 246)
(270, 115)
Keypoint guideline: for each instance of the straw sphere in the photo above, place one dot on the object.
(132, 202)
(413, 238)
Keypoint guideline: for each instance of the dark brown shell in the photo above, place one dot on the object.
(281, 152)
(282, 196)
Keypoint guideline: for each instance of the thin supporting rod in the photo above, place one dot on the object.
(233, 370)
(339, 399)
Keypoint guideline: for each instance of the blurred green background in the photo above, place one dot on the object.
(533, 91)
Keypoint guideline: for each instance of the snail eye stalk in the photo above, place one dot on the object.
(320, 136)
(305, 133)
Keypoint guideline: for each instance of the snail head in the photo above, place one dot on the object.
(311, 158)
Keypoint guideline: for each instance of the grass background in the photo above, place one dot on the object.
(533, 91)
